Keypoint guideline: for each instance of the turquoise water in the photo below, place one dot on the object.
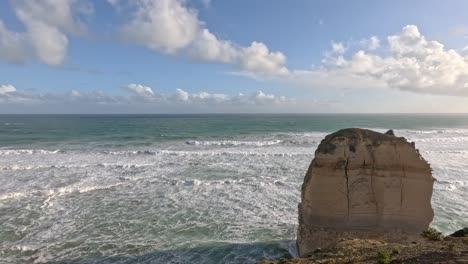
(185, 188)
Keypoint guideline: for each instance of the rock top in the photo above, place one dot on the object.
(364, 184)
(450, 250)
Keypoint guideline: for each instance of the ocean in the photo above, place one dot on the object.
(186, 188)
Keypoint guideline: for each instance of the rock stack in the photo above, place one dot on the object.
(364, 184)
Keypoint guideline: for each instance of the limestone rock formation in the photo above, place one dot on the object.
(364, 184)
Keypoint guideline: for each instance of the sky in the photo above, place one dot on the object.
(244, 56)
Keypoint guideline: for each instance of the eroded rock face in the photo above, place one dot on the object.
(364, 184)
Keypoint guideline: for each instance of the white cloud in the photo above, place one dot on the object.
(258, 59)
(374, 43)
(142, 97)
(74, 101)
(181, 95)
(335, 56)
(141, 90)
(7, 88)
(53, 13)
(47, 24)
(208, 47)
(370, 44)
(264, 98)
(258, 98)
(12, 46)
(164, 25)
(171, 27)
(413, 64)
(338, 47)
(49, 43)
(406, 61)
(213, 98)
(9, 93)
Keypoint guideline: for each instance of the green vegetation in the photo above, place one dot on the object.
(433, 234)
(395, 250)
(383, 257)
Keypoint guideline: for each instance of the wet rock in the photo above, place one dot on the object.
(460, 233)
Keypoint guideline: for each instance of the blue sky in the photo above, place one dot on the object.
(164, 56)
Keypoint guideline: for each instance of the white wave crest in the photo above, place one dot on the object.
(197, 182)
(81, 189)
(229, 153)
(447, 151)
(185, 153)
(51, 193)
(442, 139)
(234, 143)
(28, 151)
(105, 165)
(12, 195)
(131, 152)
(438, 131)
(450, 185)
(124, 166)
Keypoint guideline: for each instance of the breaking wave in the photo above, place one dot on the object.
(450, 185)
(28, 151)
(234, 143)
(186, 193)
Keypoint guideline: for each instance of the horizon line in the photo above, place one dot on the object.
(260, 113)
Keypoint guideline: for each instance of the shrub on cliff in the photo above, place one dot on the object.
(433, 234)
(383, 257)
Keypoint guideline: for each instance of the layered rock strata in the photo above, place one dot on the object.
(364, 184)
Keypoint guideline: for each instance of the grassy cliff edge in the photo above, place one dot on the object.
(431, 248)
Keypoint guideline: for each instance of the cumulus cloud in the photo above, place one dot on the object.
(144, 97)
(413, 64)
(141, 90)
(374, 43)
(181, 95)
(264, 98)
(258, 98)
(406, 60)
(338, 47)
(7, 88)
(9, 94)
(171, 27)
(12, 45)
(333, 57)
(47, 24)
(164, 25)
(257, 58)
